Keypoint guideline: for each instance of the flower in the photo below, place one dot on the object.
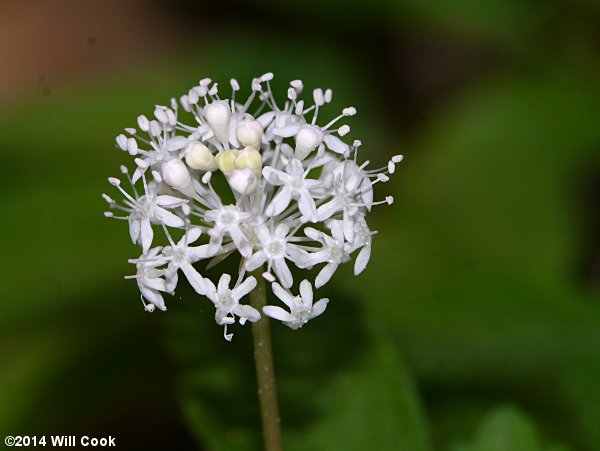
(150, 279)
(227, 302)
(301, 307)
(334, 251)
(275, 248)
(258, 178)
(146, 209)
(294, 185)
(182, 256)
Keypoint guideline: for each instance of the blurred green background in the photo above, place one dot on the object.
(475, 327)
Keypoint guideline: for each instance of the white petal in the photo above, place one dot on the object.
(275, 176)
(221, 317)
(248, 312)
(306, 292)
(298, 256)
(277, 313)
(337, 230)
(362, 259)
(195, 279)
(169, 201)
(171, 282)
(281, 231)
(137, 174)
(224, 282)
(283, 272)
(367, 194)
(211, 290)
(307, 206)
(256, 260)
(176, 143)
(155, 283)
(192, 235)
(146, 234)
(327, 210)
(336, 144)
(265, 119)
(348, 225)
(240, 241)
(282, 294)
(319, 308)
(134, 229)
(280, 202)
(287, 131)
(314, 234)
(168, 218)
(244, 288)
(325, 274)
(154, 297)
(200, 252)
(262, 233)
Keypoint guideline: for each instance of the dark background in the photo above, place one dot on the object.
(476, 325)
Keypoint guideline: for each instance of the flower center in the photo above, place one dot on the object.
(335, 253)
(226, 300)
(143, 207)
(178, 255)
(228, 217)
(275, 249)
(301, 313)
(297, 183)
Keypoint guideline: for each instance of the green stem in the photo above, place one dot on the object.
(265, 373)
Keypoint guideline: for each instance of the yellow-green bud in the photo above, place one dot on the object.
(226, 161)
(197, 156)
(249, 158)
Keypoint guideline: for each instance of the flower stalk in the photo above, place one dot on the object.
(265, 372)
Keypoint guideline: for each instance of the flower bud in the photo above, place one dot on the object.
(249, 133)
(217, 115)
(175, 174)
(307, 139)
(226, 161)
(249, 158)
(244, 181)
(197, 156)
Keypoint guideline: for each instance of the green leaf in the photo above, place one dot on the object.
(506, 429)
(473, 269)
(371, 407)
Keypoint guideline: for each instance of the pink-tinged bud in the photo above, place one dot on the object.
(243, 181)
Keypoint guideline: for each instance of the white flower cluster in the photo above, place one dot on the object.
(296, 195)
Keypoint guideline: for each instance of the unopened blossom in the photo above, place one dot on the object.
(260, 180)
